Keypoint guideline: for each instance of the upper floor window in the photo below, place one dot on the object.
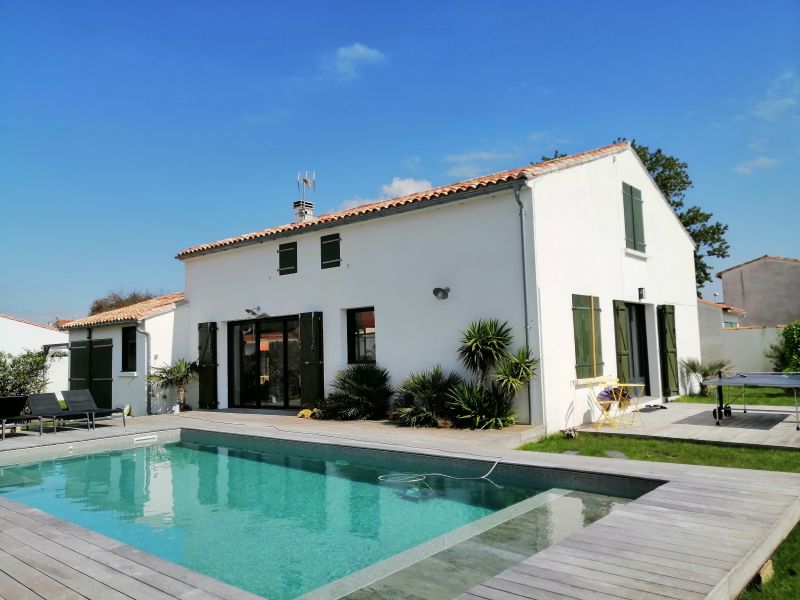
(129, 349)
(330, 251)
(287, 258)
(361, 335)
(634, 225)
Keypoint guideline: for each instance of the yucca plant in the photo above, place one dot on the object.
(178, 376)
(422, 399)
(515, 371)
(362, 392)
(483, 343)
(701, 371)
(479, 407)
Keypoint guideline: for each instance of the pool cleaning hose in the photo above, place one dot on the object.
(427, 492)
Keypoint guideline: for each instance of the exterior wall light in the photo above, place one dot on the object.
(641, 293)
(441, 293)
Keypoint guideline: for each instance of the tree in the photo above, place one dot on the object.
(23, 374)
(118, 300)
(785, 353)
(672, 178)
(555, 155)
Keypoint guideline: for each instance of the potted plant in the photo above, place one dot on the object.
(177, 376)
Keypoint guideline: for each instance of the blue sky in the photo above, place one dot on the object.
(131, 130)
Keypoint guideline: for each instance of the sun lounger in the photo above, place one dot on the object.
(11, 408)
(82, 401)
(46, 406)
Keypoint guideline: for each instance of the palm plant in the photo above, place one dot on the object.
(362, 392)
(515, 371)
(422, 399)
(701, 371)
(483, 343)
(479, 407)
(178, 376)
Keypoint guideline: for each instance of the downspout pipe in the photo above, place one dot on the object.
(527, 225)
(147, 385)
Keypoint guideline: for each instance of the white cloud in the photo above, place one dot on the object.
(400, 186)
(480, 156)
(750, 166)
(466, 171)
(349, 61)
(782, 97)
(472, 164)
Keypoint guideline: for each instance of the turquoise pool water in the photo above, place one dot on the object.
(274, 524)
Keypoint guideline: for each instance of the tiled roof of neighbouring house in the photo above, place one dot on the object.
(27, 322)
(721, 305)
(522, 173)
(134, 312)
(765, 257)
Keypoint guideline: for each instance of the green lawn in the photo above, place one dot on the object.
(786, 560)
(754, 396)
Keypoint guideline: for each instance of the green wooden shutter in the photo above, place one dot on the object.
(79, 365)
(597, 339)
(582, 328)
(638, 222)
(100, 378)
(668, 349)
(622, 340)
(207, 365)
(627, 206)
(287, 258)
(330, 252)
(311, 358)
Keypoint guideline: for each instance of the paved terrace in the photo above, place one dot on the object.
(761, 426)
(702, 534)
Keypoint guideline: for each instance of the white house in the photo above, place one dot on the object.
(113, 352)
(18, 335)
(582, 256)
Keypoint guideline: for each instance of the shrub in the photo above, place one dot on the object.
(515, 371)
(422, 399)
(483, 344)
(362, 392)
(785, 353)
(479, 407)
(23, 374)
(701, 371)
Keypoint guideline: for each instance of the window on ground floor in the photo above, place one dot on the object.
(129, 349)
(361, 335)
(588, 343)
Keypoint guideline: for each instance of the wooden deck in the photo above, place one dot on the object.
(702, 534)
(772, 426)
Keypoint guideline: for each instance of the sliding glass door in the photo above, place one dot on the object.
(265, 363)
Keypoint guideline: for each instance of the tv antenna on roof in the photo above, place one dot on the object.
(306, 182)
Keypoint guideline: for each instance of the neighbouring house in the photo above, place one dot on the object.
(714, 318)
(767, 287)
(113, 352)
(582, 255)
(18, 335)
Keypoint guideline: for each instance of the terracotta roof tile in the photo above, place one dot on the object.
(134, 312)
(27, 322)
(722, 306)
(521, 173)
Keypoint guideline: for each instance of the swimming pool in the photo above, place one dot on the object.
(281, 521)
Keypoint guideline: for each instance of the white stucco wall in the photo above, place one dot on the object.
(391, 263)
(57, 369)
(711, 342)
(580, 249)
(744, 347)
(16, 336)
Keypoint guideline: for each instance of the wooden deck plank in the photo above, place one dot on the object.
(11, 589)
(35, 580)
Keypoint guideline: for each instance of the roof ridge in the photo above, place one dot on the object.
(747, 262)
(132, 312)
(28, 322)
(528, 171)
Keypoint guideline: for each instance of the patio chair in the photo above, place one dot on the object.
(11, 408)
(82, 400)
(46, 406)
(605, 403)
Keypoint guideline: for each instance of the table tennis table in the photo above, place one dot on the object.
(774, 380)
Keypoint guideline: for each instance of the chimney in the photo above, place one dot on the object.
(303, 211)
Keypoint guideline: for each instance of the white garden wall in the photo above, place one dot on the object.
(745, 347)
(18, 336)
